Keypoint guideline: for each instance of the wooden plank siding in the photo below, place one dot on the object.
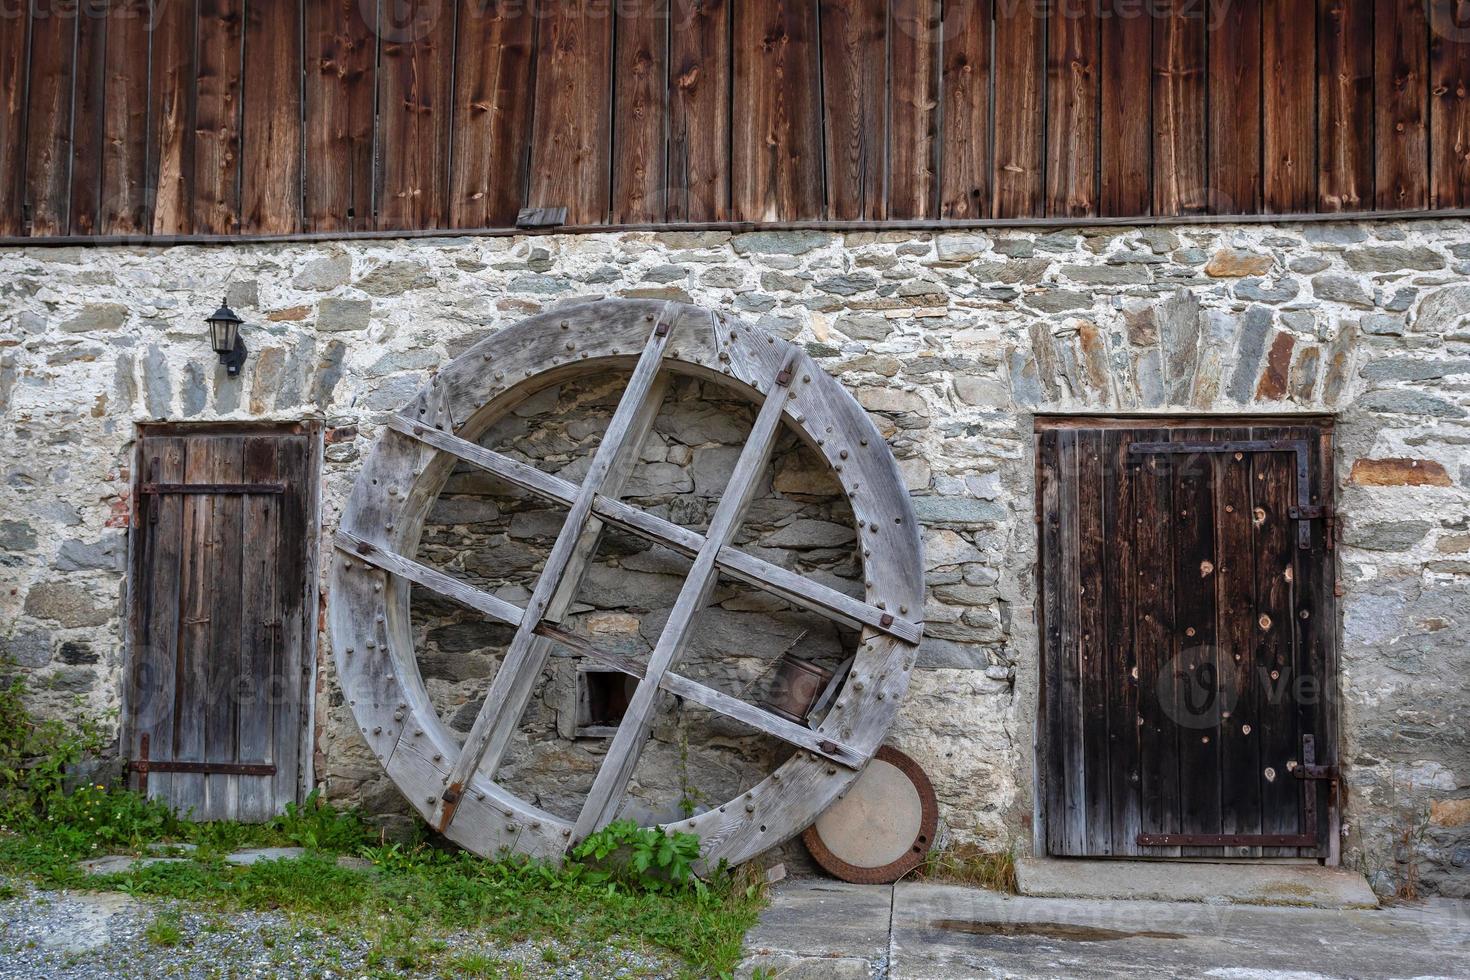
(699, 111)
(639, 180)
(125, 207)
(964, 131)
(1180, 183)
(1401, 104)
(416, 59)
(49, 118)
(1449, 119)
(1125, 173)
(341, 79)
(913, 107)
(1288, 58)
(571, 127)
(233, 117)
(1233, 91)
(1073, 104)
(88, 99)
(218, 95)
(1345, 110)
(776, 137)
(270, 132)
(853, 83)
(1019, 82)
(492, 117)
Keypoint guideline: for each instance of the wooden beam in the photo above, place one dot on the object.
(764, 721)
(510, 691)
(731, 707)
(762, 574)
(498, 609)
(430, 578)
(602, 800)
(617, 478)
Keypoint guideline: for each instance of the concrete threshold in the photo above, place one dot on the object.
(1306, 885)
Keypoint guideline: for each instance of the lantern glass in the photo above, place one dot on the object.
(224, 329)
(224, 337)
(223, 333)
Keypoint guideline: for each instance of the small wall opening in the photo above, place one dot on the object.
(602, 700)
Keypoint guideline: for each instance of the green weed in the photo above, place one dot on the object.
(166, 929)
(642, 857)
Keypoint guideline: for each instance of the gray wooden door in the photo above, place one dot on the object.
(222, 594)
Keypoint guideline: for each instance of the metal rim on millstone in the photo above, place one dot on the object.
(914, 851)
(381, 523)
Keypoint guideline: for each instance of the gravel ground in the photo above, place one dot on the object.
(87, 935)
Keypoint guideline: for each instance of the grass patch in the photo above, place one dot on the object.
(626, 888)
(413, 896)
(972, 865)
(166, 929)
(481, 965)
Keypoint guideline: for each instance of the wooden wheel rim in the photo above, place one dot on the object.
(368, 608)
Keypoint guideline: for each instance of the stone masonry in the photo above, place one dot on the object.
(953, 342)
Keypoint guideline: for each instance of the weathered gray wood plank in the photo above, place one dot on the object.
(156, 648)
(627, 745)
(511, 689)
(260, 630)
(738, 564)
(430, 578)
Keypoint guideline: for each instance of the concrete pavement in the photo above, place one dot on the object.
(922, 931)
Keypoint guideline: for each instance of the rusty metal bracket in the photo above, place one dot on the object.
(212, 488)
(143, 765)
(1310, 772)
(1307, 769)
(1303, 512)
(1227, 840)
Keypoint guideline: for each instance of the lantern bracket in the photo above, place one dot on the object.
(234, 360)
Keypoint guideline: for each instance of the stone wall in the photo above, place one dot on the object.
(953, 342)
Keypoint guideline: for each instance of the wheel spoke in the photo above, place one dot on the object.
(627, 745)
(524, 659)
(429, 578)
(502, 611)
(718, 701)
(749, 569)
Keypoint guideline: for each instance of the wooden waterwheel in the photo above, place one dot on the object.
(454, 787)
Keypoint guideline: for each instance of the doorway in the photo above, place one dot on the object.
(222, 617)
(1188, 633)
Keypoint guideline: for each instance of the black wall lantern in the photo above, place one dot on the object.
(224, 336)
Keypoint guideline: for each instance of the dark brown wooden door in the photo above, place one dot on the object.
(222, 599)
(1186, 614)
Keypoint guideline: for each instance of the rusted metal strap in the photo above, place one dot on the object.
(1304, 510)
(209, 768)
(219, 488)
(143, 765)
(1227, 840)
